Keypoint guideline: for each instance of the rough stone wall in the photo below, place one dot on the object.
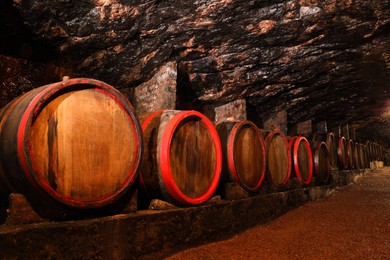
(157, 93)
(278, 120)
(322, 60)
(235, 110)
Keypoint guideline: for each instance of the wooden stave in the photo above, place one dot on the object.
(331, 142)
(341, 151)
(362, 159)
(350, 154)
(23, 179)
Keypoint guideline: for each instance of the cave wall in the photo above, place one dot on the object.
(319, 60)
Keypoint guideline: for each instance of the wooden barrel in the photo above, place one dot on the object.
(330, 141)
(74, 144)
(342, 153)
(362, 159)
(350, 154)
(182, 159)
(244, 159)
(332, 146)
(378, 151)
(370, 151)
(302, 158)
(322, 162)
(366, 156)
(355, 152)
(373, 151)
(278, 157)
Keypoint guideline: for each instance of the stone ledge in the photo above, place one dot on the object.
(156, 232)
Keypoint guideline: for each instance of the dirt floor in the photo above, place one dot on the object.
(353, 222)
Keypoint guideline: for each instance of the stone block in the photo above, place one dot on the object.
(300, 128)
(157, 93)
(233, 191)
(235, 110)
(279, 119)
(321, 127)
(20, 211)
(380, 164)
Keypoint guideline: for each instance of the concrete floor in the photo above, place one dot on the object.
(353, 222)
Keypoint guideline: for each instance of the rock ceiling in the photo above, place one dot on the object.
(321, 60)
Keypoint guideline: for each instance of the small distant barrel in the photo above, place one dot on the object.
(72, 145)
(332, 146)
(362, 160)
(330, 141)
(355, 148)
(243, 153)
(350, 154)
(367, 151)
(302, 158)
(366, 156)
(322, 162)
(183, 157)
(278, 157)
(342, 152)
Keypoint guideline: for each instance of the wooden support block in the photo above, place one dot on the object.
(157, 204)
(20, 211)
(373, 165)
(132, 206)
(317, 193)
(312, 182)
(335, 178)
(292, 184)
(214, 200)
(233, 191)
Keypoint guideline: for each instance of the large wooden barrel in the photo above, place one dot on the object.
(278, 157)
(243, 153)
(75, 143)
(322, 162)
(342, 152)
(182, 159)
(302, 158)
